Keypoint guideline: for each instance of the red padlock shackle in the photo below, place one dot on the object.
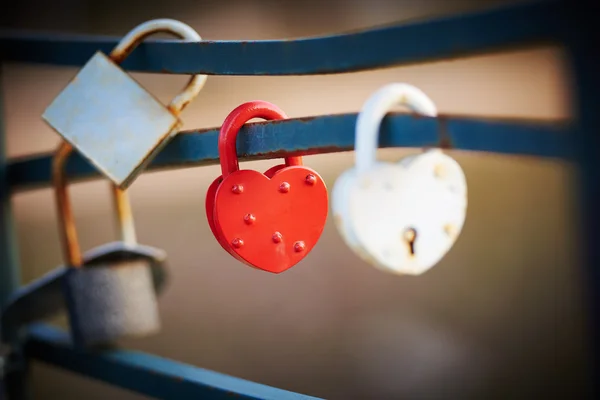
(233, 123)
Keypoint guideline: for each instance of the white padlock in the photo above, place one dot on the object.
(400, 217)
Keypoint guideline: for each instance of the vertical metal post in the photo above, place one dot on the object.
(582, 44)
(9, 265)
(14, 378)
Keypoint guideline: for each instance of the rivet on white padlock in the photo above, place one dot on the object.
(400, 217)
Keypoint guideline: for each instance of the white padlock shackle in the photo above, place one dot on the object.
(374, 110)
(66, 220)
(163, 25)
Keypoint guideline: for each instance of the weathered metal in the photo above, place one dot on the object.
(520, 25)
(44, 297)
(115, 295)
(399, 217)
(327, 134)
(524, 25)
(110, 119)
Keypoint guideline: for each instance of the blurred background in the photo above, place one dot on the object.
(500, 317)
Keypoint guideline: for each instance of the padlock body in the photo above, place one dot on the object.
(426, 193)
(108, 302)
(111, 120)
(44, 297)
(290, 214)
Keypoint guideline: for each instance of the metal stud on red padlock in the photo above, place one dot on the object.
(269, 221)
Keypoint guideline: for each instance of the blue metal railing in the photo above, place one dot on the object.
(329, 134)
(443, 38)
(147, 374)
(530, 24)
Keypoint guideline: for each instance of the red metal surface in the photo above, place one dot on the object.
(228, 155)
(269, 221)
(210, 205)
(232, 124)
(289, 216)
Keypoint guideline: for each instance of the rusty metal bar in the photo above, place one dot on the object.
(463, 35)
(124, 215)
(328, 134)
(417, 41)
(66, 219)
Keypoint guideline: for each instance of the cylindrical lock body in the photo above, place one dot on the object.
(108, 302)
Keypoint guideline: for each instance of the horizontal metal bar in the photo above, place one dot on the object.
(144, 373)
(448, 37)
(326, 134)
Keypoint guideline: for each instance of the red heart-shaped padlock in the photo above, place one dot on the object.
(271, 112)
(269, 221)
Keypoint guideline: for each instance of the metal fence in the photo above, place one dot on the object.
(528, 24)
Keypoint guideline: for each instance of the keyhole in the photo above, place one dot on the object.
(410, 235)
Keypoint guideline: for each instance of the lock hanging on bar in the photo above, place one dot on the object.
(400, 217)
(270, 221)
(110, 119)
(113, 295)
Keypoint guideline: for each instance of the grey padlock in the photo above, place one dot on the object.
(110, 119)
(44, 298)
(113, 296)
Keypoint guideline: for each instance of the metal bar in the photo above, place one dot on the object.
(15, 369)
(9, 266)
(17, 384)
(420, 41)
(326, 134)
(143, 373)
(582, 43)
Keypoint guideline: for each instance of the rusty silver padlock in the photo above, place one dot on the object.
(114, 295)
(110, 119)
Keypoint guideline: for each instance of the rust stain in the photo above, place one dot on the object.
(307, 119)
(296, 153)
(445, 142)
(451, 231)
(124, 215)
(409, 237)
(440, 171)
(117, 58)
(338, 221)
(160, 143)
(66, 219)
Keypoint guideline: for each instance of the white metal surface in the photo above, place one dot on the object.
(400, 217)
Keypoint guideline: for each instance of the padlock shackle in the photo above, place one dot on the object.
(234, 122)
(163, 25)
(66, 220)
(374, 110)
